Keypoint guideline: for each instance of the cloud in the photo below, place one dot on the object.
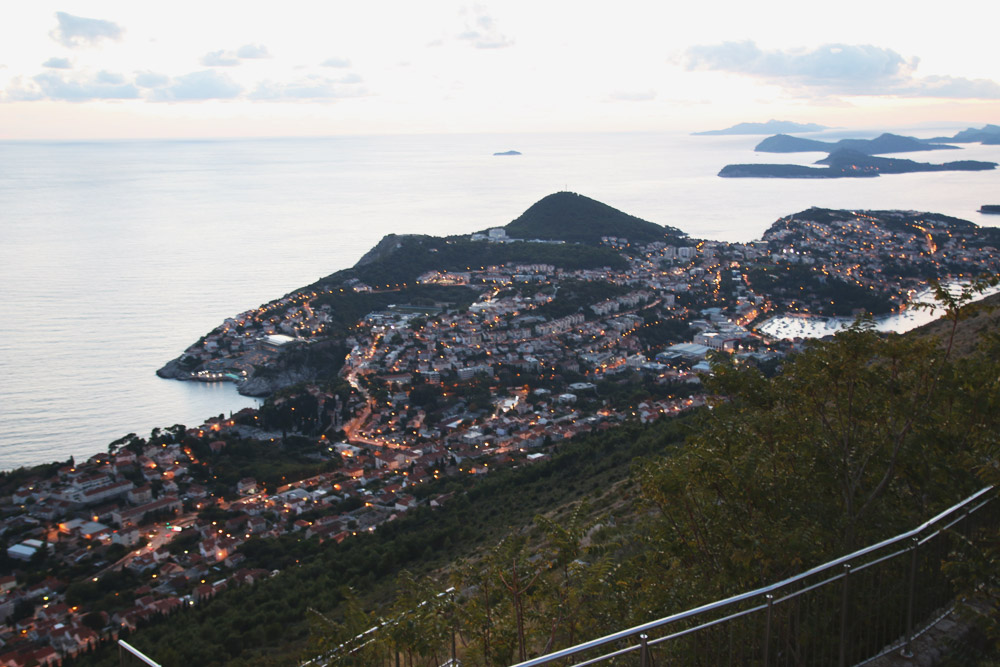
(224, 58)
(481, 30)
(253, 51)
(835, 69)
(58, 86)
(151, 79)
(204, 85)
(58, 63)
(311, 88)
(336, 62)
(74, 31)
(953, 87)
(19, 90)
(110, 78)
(626, 96)
(220, 59)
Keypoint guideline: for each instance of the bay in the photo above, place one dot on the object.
(116, 255)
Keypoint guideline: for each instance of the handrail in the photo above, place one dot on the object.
(719, 604)
(318, 660)
(124, 647)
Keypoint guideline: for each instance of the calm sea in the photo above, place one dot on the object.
(114, 256)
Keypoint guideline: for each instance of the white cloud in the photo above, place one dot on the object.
(60, 87)
(20, 90)
(336, 62)
(250, 51)
(58, 63)
(631, 96)
(220, 59)
(74, 31)
(952, 87)
(311, 88)
(151, 79)
(224, 58)
(204, 85)
(481, 30)
(836, 69)
(110, 78)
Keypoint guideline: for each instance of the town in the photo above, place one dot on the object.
(507, 361)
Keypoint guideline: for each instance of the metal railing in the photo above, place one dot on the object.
(129, 656)
(355, 645)
(848, 611)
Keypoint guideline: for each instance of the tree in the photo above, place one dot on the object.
(856, 440)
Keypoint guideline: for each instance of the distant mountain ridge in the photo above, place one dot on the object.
(989, 134)
(884, 143)
(567, 216)
(769, 127)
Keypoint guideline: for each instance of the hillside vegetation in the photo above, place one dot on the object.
(858, 438)
(567, 216)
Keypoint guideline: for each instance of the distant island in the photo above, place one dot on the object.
(846, 163)
(508, 153)
(854, 158)
(993, 209)
(769, 127)
(988, 135)
(884, 143)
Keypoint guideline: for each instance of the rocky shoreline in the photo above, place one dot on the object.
(254, 385)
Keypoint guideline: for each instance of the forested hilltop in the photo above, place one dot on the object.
(833, 263)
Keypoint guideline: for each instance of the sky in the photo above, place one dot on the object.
(91, 69)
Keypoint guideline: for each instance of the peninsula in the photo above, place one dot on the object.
(552, 269)
(413, 394)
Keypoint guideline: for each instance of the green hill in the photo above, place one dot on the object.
(567, 216)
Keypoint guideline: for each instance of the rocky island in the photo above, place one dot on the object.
(847, 163)
(884, 143)
(854, 158)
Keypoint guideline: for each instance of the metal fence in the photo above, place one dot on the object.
(849, 611)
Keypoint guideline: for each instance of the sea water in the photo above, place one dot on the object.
(116, 255)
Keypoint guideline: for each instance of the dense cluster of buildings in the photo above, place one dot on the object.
(436, 391)
(891, 252)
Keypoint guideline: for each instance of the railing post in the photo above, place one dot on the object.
(907, 651)
(644, 651)
(767, 630)
(843, 616)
